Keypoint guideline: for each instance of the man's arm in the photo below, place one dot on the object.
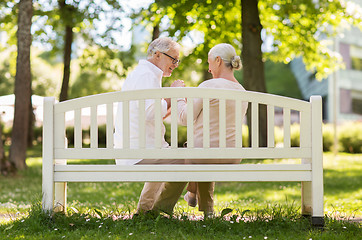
(176, 83)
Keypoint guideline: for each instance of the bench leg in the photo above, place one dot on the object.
(48, 196)
(317, 200)
(60, 197)
(306, 198)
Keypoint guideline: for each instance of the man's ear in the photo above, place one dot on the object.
(157, 54)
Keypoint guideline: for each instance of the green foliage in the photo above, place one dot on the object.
(181, 135)
(328, 137)
(350, 137)
(6, 81)
(280, 80)
(294, 135)
(297, 27)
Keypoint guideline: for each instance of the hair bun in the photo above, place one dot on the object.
(236, 62)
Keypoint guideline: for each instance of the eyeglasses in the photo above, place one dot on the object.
(174, 60)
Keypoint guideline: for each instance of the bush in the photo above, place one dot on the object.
(295, 135)
(328, 137)
(350, 137)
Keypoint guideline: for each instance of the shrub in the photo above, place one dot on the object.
(328, 136)
(295, 135)
(350, 137)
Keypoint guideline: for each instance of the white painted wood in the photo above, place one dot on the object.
(181, 153)
(182, 168)
(125, 121)
(254, 125)
(286, 127)
(305, 128)
(247, 176)
(94, 127)
(317, 157)
(270, 126)
(222, 123)
(206, 122)
(190, 123)
(158, 123)
(141, 123)
(110, 126)
(309, 172)
(48, 151)
(174, 138)
(77, 128)
(60, 193)
(238, 124)
(262, 98)
(59, 130)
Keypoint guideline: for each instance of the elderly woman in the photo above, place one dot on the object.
(222, 60)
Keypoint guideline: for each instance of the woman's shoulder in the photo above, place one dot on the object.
(221, 83)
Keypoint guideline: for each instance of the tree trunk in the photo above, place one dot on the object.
(19, 134)
(156, 31)
(253, 65)
(5, 166)
(68, 40)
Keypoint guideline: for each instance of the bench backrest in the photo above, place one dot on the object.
(54, 128)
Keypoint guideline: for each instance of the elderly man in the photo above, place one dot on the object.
(162, 59)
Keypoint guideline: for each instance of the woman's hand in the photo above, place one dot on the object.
(178, 83)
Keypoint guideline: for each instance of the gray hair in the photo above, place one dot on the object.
(227, 53)
(162, 44)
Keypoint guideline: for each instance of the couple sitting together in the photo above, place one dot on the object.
(162, 59)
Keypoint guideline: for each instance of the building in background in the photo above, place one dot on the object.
(341, 91)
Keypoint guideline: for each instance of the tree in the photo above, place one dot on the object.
(72, 20)
(67, 16)
(253, 65)
(22, 87)
(297, 27)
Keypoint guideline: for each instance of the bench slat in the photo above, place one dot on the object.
(270, 128)
(190, 123)
(59, 130)
(222, 123)
(158, 123)
(77, 128)
(125, 120)
(94, 128)
(181, 153)
(206, 122)
(110, 125)
(238, 124)
(174, 117)
(171, 176)
(104, 98)
(286, 126)
(141, 123)
(182, 168)
(254, 125)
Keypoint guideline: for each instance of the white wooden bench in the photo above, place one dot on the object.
(308, 171)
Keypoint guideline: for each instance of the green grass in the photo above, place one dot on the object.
(259, 210)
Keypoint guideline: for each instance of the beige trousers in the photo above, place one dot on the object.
(151, 190)
(169, 193)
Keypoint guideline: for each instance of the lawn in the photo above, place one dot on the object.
(259, 210)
